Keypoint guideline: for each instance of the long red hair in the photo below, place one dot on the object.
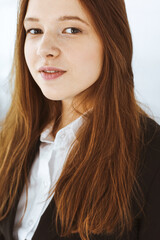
(98, 183)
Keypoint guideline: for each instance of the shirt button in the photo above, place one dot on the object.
(30, 223)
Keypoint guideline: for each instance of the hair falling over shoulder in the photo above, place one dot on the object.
(98, 184)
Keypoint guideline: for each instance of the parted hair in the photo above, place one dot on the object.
(98, 184)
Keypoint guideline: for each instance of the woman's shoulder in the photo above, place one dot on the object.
(152, 129)
(150, 141)
(150, 153)
(151, 138)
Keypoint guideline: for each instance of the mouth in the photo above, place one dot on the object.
(50, 73)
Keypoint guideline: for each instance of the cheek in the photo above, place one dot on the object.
(88, 59)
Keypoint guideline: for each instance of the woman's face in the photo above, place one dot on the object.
(60, 34)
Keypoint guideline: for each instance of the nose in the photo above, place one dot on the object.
(48, 47)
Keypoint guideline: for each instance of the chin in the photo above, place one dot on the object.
(50, 96)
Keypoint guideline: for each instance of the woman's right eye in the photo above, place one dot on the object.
(34, 31)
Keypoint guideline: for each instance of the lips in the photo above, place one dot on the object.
(50, 73)
(50, 69)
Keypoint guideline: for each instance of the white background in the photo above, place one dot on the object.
(144, 19)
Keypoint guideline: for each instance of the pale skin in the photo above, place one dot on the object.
(68, 44)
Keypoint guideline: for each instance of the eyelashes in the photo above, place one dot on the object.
(74, 30)
(35, 31)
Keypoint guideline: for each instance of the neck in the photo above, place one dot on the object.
(69, 114)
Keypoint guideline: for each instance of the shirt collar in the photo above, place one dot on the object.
(66, 133)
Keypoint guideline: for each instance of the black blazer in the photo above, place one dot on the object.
(145, 228)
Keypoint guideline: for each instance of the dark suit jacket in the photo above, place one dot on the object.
(145, 228)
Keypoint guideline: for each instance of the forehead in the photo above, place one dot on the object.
(49, 10)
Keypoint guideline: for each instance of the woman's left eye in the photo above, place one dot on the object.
(73, 30)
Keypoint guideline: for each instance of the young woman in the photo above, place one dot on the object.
(79, 158)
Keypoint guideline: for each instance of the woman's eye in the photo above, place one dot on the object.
(70, 30)
(73, 30)
(34, 31)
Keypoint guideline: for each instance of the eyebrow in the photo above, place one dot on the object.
(63, 18)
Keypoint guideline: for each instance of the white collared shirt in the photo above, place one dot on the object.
(45, 171)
